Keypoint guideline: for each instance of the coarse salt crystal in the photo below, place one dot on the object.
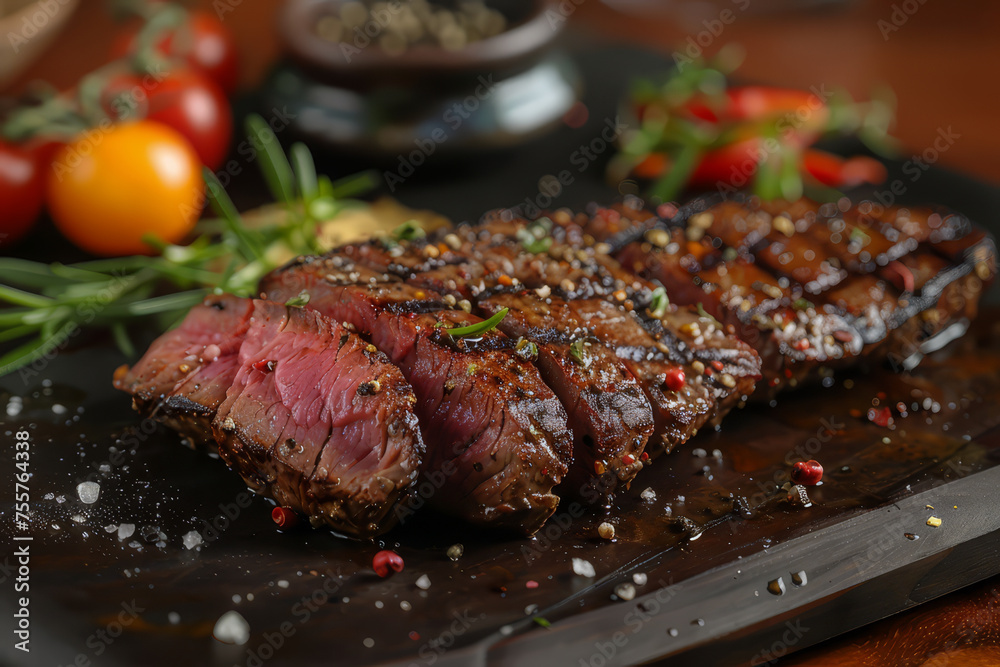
(583, 567)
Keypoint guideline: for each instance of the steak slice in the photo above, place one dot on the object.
(183, 377)
(303, 410)
(812, 287)
(497, 435)
(572, 293)
(319, 420)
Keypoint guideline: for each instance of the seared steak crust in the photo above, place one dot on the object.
(812, 287)
(586, 320)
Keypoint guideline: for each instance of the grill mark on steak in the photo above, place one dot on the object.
(496, 431)
(482, 263)
(854, 267)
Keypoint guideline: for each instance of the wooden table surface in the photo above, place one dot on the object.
(936, 55)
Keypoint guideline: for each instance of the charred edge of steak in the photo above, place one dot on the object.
(498, 440)
(889, 283)
(183, 377)
(271, 384)
(319, 422)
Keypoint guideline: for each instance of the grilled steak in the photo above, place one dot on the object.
(304, 410)
(618, 370)
(497, 435)
(184, 376)
(811, 287)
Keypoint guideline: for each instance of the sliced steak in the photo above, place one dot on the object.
(497, 435)
(320, 420)
(305, 411)
(567, 294)
(183, 377)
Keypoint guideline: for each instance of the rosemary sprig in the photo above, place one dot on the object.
(51, 303)
(478, 327)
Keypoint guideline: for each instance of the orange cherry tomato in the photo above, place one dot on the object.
(111, 186)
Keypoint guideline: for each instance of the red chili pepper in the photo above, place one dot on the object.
(755, 102)
(836, 171)
(284, 517)
(825, 167)
(644, 456)
(675, 379)
(717, 365)
(385, 562)
(735, 164)
(628, 459)
(807, 473)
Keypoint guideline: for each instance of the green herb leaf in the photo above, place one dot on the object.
(703, 313)
(802, 304)
(659, 302)
(298, 301)
(225, 209)
(578, 350)
(408, 231)
(542, 622)
(479, 327)
(305, 172)
(273, 163)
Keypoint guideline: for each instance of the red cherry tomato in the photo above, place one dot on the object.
(22, 191)
(185, 100)
(203, 42)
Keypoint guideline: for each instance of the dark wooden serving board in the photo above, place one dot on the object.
(315, 600)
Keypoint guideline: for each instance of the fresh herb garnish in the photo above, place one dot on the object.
(408, 231)
(802, 304)
(526, 349)
(52, 302)
(542, 622)
(703, 313)
(578, 351)
(478, 327)
(534, 236)
(299, 300)
(659, 302)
